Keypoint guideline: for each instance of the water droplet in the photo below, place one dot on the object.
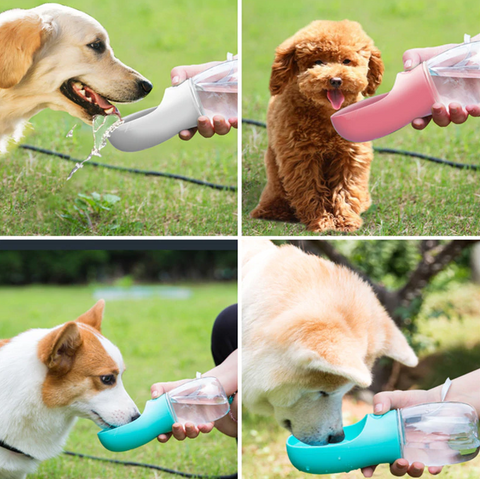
(102, 126)
(70, 133)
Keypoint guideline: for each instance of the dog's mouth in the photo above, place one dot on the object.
(336, 98)
(92, 102)
(99, 421)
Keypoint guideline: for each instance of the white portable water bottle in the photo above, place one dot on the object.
(211, 92)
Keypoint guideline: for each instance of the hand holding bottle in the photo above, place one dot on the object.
(179, 431)
(441, 115)
(206, 128)
(463, 389)
(227, 374)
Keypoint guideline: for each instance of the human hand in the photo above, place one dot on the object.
(179, 431)
(206, 128)
(382, 403)
(440, 114)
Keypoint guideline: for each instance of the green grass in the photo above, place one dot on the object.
(161, 340)
(153, 38)
(455, 351)
(410, 196)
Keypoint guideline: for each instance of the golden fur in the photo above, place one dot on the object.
(47, 48)
(313, 175)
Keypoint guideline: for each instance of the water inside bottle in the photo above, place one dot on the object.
(439, 435)
(199, 409)
(455, 86)
(218, 99)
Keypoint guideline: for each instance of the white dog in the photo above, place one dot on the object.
(48, 378)
(57, 57)
(311, 331)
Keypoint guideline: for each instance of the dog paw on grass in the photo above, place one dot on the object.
(89, 209)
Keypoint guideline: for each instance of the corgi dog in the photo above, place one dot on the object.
(312, 331)
(49, 378)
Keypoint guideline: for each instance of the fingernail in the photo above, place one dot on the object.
(408, 64)
(175, 80)
(155, 393)
(378, 408)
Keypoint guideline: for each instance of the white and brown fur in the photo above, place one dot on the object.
(48, 378)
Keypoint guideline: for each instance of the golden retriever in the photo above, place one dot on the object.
(313, 175)
(311, 331)
(54, 56)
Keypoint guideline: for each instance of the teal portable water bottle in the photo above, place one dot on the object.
(435, 434)
(199, 401)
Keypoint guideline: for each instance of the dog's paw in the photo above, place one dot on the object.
(366, 203)
(278, 211)
(348, 224)
(322, 224)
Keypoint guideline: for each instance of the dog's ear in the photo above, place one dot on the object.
(57, 350)
(284, 67)
(375, 72)
(20, 39)
(396, 345)
(347, 363)
(93, 317)
(3, 342)
(328, 347)
(252, 247)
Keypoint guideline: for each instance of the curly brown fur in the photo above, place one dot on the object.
(313, 175)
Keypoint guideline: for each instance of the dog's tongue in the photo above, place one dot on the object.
(99, 100)
(336, 98)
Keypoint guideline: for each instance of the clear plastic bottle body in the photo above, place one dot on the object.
(437, 434)
(199, 401)
(456, 74)
(217, 89)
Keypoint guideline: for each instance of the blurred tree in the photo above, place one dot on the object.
(401, 272)
(66, 267)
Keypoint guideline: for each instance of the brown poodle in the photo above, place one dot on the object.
(313, 175)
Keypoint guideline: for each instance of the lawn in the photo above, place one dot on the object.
(409, 196)
(454, 351)
(152, 38)
(161, 340)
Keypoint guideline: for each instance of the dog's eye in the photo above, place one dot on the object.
(323, 394)
(347, 61)
(319, 62)
(99, 46)
(108, 380)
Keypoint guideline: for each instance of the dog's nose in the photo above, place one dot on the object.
(134, 417)
(146, 86)
(336, 82)
(338, 437)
